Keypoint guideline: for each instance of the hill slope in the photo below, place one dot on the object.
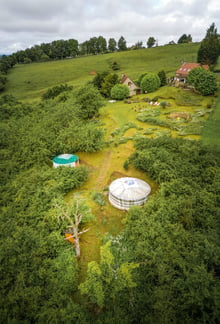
(28, 82)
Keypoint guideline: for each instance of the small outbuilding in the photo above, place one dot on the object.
(127, 192)
(69, 160)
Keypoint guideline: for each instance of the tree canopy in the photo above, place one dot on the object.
(203, 81)
(151, 42)
(209, 50)
(150, 82)
(185, 39)
(119, 91)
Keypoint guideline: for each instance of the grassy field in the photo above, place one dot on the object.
(30, 81)
(211, 130)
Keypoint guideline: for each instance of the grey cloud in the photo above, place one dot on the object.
(28, 22)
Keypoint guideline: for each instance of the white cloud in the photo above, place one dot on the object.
(24, 23)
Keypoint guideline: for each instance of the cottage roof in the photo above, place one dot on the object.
(65, 158)
(123, 78)
(187, 67)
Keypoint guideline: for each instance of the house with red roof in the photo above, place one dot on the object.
(183, 71)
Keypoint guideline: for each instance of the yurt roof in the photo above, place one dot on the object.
(129, 189)
(65, 158)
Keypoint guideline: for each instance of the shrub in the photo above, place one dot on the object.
(98, 198)
(55, 91)
(163, 104)
(163, 78)
(119, 91)
(150, 82)
(203, 81)
(115, 66)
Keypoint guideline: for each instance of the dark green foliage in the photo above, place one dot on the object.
(163, 78)
(185, 39)
(109, 81)
(3, 81)
(122, 44)
(99, 79)
(140, 78)
(39, 273)
(115, 66)
(56, 91)
(119, 91)
(151, 42)
(150, 82)
(209, 50)
(88, 101)
(174, 238)
(203, 81)
(112, 45)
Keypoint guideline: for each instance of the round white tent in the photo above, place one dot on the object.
(65, 160)
(127, 192)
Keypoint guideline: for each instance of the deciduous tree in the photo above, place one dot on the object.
(151, 42)
(209, 50)
(150, 82)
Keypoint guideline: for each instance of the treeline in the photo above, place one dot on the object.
(61, 49)
(58, 50)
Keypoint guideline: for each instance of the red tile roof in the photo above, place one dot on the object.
(184, 70)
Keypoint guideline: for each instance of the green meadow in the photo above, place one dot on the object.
(30, 81)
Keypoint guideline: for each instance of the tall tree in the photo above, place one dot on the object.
(112, 45)
(88, 102)
(151, 42)
(122, 44)
(185, 39)
(102, 44)
(209, 50)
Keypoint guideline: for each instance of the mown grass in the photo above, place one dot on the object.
(30, 81)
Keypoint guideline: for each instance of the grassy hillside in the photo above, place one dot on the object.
(28, 82)
(211, 130)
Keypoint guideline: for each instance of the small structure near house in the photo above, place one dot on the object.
(127, 192)
(183, 71)
(133, 88)
(69, 160)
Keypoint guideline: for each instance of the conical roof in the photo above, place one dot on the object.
(65, 158)
(129, 189)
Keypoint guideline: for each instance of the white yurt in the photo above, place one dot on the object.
(70, 160)
(127, 192)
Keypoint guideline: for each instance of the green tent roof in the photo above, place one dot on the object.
(65, 158)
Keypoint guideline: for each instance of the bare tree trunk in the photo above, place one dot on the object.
(74, 227)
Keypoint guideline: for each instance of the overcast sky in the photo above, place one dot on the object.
(24, 23)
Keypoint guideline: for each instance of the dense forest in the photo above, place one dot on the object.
(164, 266)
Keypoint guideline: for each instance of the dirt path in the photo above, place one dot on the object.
(103, 170)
